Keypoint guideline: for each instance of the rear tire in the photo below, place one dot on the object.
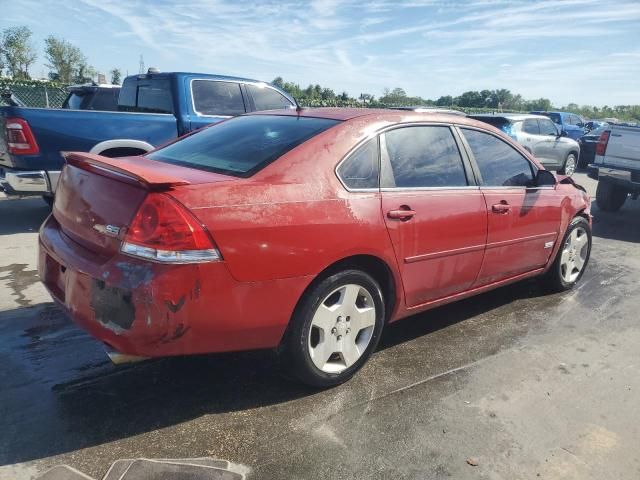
(334, 329)
(572, 257)
(609, 196)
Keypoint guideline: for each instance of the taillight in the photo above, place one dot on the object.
(163, 230)
(603, 141)
(20, 139)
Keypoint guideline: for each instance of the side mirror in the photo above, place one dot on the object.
(544, 178)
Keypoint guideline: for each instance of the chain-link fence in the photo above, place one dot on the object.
(33, 93)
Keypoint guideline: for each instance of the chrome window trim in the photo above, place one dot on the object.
(423, 189)
(200, 114)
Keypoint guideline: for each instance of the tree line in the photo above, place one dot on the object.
(500, 100)
(66, 62)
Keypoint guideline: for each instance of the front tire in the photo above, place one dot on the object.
(572, 257)
(570, 164)
(609, 196)
(334, 329)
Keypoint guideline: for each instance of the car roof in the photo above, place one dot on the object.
(380, 114)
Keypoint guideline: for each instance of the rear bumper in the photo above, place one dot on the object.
(147, 309)
(39, 182)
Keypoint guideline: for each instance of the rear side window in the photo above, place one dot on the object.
(500, 164)
(423, 157)
(360, 169)
(266, 98)
(146, 95)
(547, 127)
(217, 98)
(531, 126)
(243, 145)
(73, 101)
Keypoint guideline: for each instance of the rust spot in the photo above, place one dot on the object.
(113, 306)
(174, 307)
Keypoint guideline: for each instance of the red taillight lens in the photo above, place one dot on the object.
(20, 139)
(165, 231)
(603, 141)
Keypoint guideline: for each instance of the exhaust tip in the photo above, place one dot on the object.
(119, 358)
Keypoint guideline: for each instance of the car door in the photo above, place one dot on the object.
(523, 221)
(214, 101)
(435, 213)
(552, 148)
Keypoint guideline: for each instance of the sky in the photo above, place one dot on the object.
(580, 51)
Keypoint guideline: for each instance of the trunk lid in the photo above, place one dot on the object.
(97, 197)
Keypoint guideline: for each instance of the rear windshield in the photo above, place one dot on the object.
(149, 95)
(242, 146)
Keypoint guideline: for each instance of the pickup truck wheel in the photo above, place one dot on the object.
(572, 257)
(569, 167)
(609, 196)
(334, 329)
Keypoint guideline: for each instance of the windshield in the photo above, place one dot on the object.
(243, 145)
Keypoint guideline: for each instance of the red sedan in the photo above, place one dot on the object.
(307, 231)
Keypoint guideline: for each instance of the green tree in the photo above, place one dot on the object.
(278, 82)
(444, 101)
(116, 76)
(17, 52)
(66, 60)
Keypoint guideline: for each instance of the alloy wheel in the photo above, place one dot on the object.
(342, 328)
(574, 255)
(570, 165)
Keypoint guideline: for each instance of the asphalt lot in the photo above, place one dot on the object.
(529, 385)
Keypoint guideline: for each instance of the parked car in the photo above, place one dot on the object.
(305, 231)
(570, 124)
(539, 136)
(152, 109)
(92, 96)
(588, 144)
(617, 166)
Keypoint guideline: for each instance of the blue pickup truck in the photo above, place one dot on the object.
(153, 109)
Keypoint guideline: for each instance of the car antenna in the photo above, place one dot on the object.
(298, 107)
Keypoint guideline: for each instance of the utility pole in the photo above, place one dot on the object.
(141, 64)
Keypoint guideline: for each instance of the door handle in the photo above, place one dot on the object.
(403, 213)
(503, 207)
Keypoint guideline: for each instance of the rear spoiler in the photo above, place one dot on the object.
(127, 169)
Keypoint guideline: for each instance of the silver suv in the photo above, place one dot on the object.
(540, 136)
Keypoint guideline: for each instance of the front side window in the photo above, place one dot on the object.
(500, 164)
(531, 126)
(547, 127)
(360, 169)
(243, 145)
(555, 118)
(423, 156)
(266, 98)
(217, 98)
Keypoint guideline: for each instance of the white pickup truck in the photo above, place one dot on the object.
(617, 166)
